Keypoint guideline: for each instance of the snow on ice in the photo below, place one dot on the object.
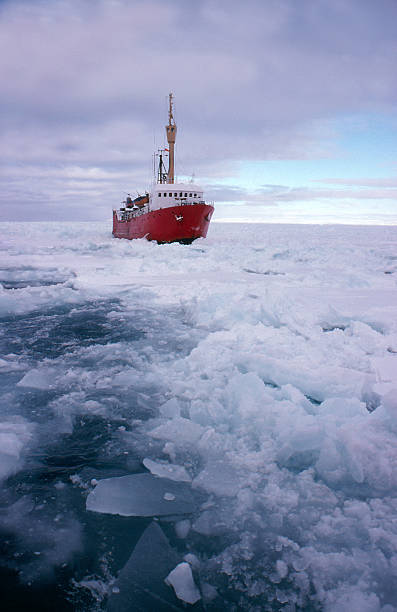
(253, 374)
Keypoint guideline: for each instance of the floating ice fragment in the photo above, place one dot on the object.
(281, 596)
(171, 408)
(209, 592)
(282, 568)
(13, 438)
(178, 430)
(300, 564)
(167, 470)
(192, 560)
(209, 523)
(181, 579)
(170, 450)
(182, 528)
(385, 368)
(390, 403)
(38, 379)
(141, 580)
(347, 598)
(140, 495)
(218, 477)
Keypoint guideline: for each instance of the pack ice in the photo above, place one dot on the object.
(253, 374)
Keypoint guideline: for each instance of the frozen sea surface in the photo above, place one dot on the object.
(256, 370)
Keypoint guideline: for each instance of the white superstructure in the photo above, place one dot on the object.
(165, 195)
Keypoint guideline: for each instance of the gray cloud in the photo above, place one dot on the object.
(84, 86)
(279, 194)
(361, 182)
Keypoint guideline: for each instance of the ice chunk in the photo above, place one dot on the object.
(282, 568)
(178, 430)
(192, 560)
(385, 368)
(38, 379)
(182, 528)
(181, 579)
(348, 598)
(167, 470)
(209, 592)
(140, 495)
(390, 403)
(141, 580)
(171, 408)
(13, 438)
(218, 477)
(210, 523)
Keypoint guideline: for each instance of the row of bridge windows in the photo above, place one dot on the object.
(181, 195)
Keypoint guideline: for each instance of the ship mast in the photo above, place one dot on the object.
(171, 135)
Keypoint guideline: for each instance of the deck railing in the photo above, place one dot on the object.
(126, 215)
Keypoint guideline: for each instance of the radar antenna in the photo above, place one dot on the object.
(161, 172)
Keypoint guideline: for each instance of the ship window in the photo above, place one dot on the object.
(170, 194)
(159, 195)
(190, 195)
(185, 195)
(195, 195)
(180, 194)
(175, 195)
(165, 195)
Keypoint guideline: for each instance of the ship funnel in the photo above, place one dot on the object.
(171, 135)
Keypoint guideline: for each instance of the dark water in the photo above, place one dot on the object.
(49, 542)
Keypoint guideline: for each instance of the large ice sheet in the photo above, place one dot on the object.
(141, 495)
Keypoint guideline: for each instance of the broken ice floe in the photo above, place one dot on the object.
(182, 528)
(181, 580)
(179, 430)
(39, 378)
(141, 495)
(322, 472)
(14, 436)
(219, 477)
(141, 582)
(26, 276)
(167, 470)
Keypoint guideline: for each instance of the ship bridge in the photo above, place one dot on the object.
(176, 194)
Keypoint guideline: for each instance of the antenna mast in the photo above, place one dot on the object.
(171, 135)
(161, 172)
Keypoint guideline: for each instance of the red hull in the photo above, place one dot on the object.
(172, 224)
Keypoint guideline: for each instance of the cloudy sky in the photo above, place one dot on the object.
(286, 109)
